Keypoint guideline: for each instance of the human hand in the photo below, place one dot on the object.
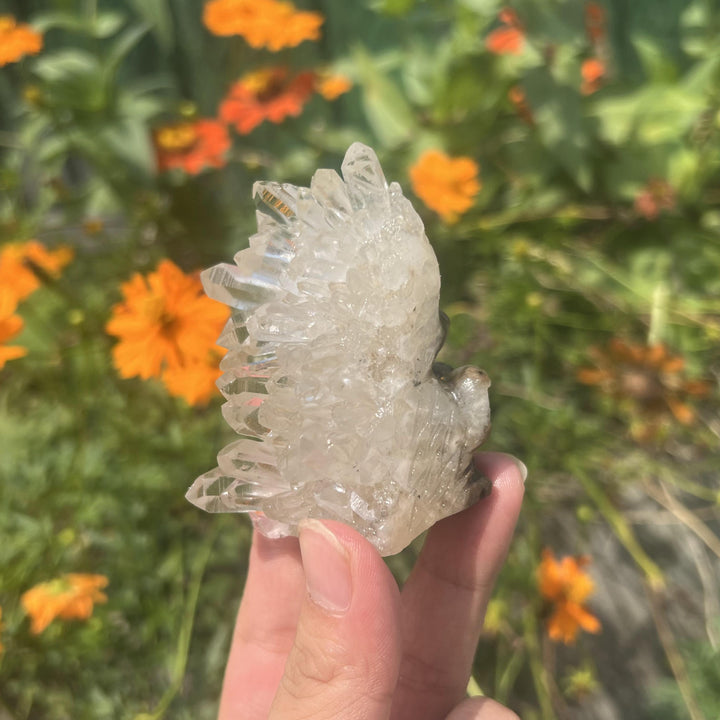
(323, 631)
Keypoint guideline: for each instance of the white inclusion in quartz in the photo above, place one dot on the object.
(330, 378)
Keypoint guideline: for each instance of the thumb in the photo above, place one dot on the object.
(345, 660)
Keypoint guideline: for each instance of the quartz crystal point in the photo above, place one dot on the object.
(330, 379)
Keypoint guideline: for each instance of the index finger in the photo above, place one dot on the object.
(444, 600)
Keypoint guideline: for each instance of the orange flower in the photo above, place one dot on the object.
(595, 22)
(17, 40)
(657, 195)
(195, 380)
(566, 586)
(508, 39)
(10, 326)
(445, 184)
(647, 382)
(267, 94)
(592, 71)
(332, 86)
(70, 597)
(164, 322)
(21, 263)
(191, 146)
(263, 23)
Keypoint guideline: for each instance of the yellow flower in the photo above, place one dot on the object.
(165, 322)
(270, 24)
(70, 597)
(445, 184)
(10, 325)
(17, 40)
(20, 261)
(567, 587)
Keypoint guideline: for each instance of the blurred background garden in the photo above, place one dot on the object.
(564, 156)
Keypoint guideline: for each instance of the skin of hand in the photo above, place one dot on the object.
(324, 632)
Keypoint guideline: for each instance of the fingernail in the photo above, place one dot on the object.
(327, 567)
(520, 466)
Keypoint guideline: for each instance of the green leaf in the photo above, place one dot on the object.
(703, 76)
(393, 7)
(558, 111)
(657, 65)
(65, 64)
(107, 24)
(63, 20)
(425, 70)
(157, 14)
(143, 106)
(104, 25)
(128, 140)
(122, 47)
(74, 79)
(655, 114)
(386, 108)
(487, 8)
(696, 23)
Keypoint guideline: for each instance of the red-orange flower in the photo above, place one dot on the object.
(647, 382)
(165, 324)
(21, 263)
(332, 86)
(593, 72)
(191, 146)
(70, 597)
(10, 326)
(509, 38)
(567, 587)
(656, 196)
(267, 94)
(445, 184)
(267, 24)
(17, 40)
(595, 22)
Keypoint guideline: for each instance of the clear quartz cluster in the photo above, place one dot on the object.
(330, 377)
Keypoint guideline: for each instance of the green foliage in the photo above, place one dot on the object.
(597, 221)
(703, 664)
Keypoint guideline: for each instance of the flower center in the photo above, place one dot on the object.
(640, 384)
(176, 138)
(156, 311)
(60, 586)
(264, 84)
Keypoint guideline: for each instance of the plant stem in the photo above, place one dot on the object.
(509, 675)
(537, 668)
(621, 528)
(675, 659)
(181, 655)
(686, 516)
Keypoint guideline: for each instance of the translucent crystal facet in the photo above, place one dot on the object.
(330, 378)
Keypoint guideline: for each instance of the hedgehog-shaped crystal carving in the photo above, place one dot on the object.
(330, 378)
